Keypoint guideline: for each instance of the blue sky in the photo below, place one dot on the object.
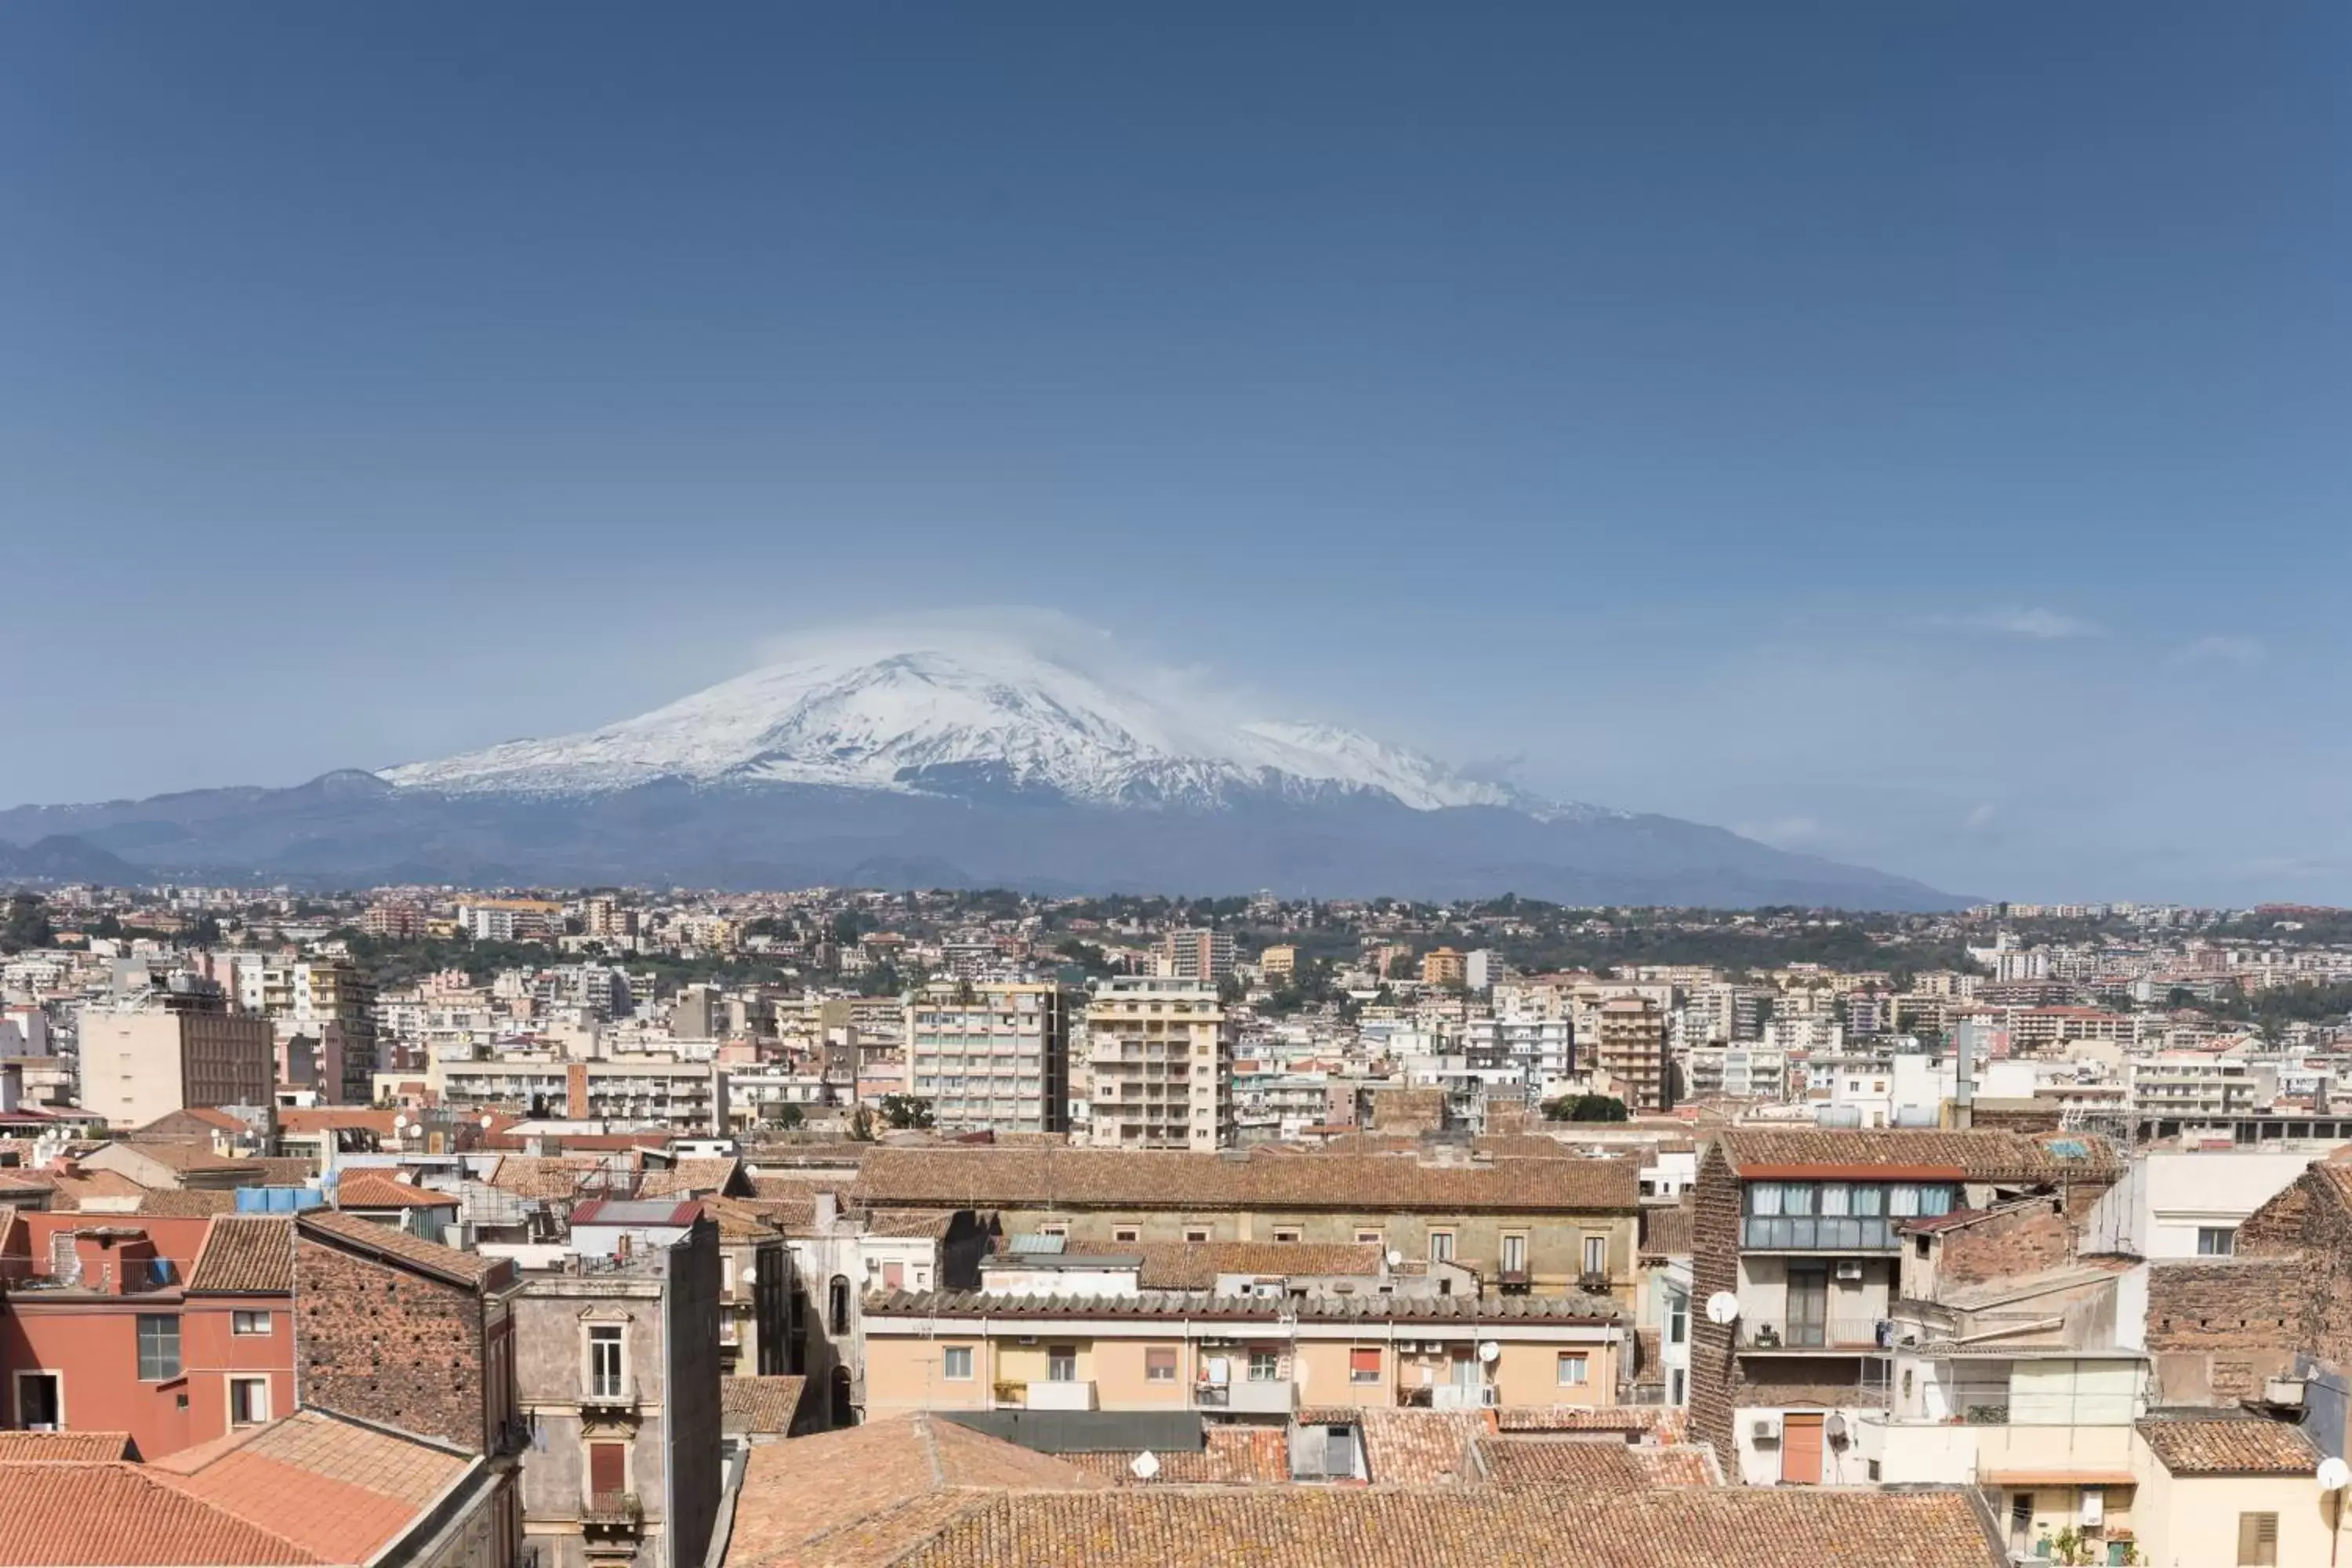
(1913, 434)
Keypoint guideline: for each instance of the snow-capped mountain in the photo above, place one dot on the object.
(938, 719)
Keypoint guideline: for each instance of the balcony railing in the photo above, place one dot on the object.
(602, 1393)
(611, 1509)
(1062, 1395)
(1464, 1395)
(1834, 1335)
(1251, 1396)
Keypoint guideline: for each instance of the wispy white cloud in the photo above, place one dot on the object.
(1980, 818)
(1788, 833)
(2231, 650)
(2024, 621)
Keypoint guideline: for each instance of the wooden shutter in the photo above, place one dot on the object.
(1801, 1449)
(2258, 1539)
(1364, 1366)
(608, 1467)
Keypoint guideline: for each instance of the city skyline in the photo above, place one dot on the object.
(1902, 439)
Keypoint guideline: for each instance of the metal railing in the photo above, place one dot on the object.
(1847, 1334)
(611, 1508)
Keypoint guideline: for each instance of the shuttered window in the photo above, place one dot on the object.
(1364, 1366)
(2258, 1540)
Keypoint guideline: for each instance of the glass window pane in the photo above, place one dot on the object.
(1834, 1197)
(1796, 1197)
(1903, 1199)
(1870, 1199)
(1764, 1198)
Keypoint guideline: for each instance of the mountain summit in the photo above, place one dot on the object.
(940, 720)
(926, 763)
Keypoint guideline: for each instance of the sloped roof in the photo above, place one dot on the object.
(1229, 1456)
(693, 1178)
(1118, 1178)
(1195, 1265)
(468, 1268)
(339, 1490)
(245, 1255)
(1200, 1304)
(1376, 1527)
(1412, 1447)
(374, 1190)
(76, 1445)
(1978, 1154)
(866, 1494)
(115, 1515)
(2229, 1445)
(1603, 1465)
(760, 1403)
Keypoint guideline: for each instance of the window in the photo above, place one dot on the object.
(2216, 1240)
(2258, 1540)
(1596, 1255)
(837, 1305)
(1441, 1247)
(248, 1323)
(1159, 1363)
(605, 1360)
(1059, 1230)
(1676, 1390)
(1677, 1318)
(248, 1400)
(1364, 1366)
(1196, 1232)
(159, 1347)
(1287, 1233)
(1061, 1364)
(1125, 1232)
(1514, 1254)
(1264, 1366)
(726, 1278)
(955, 1363)
(1367, 1238)
(1573, 1366)
(608, 1472)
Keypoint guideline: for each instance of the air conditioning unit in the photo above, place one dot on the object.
(1849, 1269)
(1764, 1429)
(2287, 1391)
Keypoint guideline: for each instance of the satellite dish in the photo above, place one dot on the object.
(1395, 1258)
(1145, 1465)
(751, 1276)
(1489, 1351)
(488, 1122)
(2334, 1475)
(399, 1123)
(1723, 1306)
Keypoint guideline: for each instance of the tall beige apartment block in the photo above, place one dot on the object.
(137, 1067)
(1633, 1052)
(991, 1056)
(1161, 1053)
(1197, 954)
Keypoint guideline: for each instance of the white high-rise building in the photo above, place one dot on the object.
(1161, 1055)
(992, 1055)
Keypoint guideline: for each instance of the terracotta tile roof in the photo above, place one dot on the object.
(185, 1157)
(1665, 1423)
(108, 1187)
(693, 1179)
(1595, 1466)
(468, 1269)
(1195, 1265)
(1200, 1304)
(1980, 1155)
(1413, 1447)
(739, 1221)
(284, 1169)
(868, 1493)
(1666, 1232)
(123, 1516)
(305, 1120)
(175, 1125)
(78, 1446)
(245, 1255)
(1316, 1527)
(187, 1203)
(374, 1190)
(905, 1222)
(2229, 1445)
(1230, 1457)
(999, 1178)
(339, 1490)
(543, 1176)
(758, 1403)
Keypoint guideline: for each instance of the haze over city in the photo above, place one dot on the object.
(1910, 438)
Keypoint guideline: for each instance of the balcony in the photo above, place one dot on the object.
(1834, 1336)
(1251, 1396)
(1818, 1233)
(614, 1395)
(611, 1511)
(1062, 1395)
(1462, 1395)
(1515, 1281)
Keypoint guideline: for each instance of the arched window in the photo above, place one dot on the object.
(838, 1313)
(844, 1414)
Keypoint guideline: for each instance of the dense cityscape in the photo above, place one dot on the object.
(709, 1202)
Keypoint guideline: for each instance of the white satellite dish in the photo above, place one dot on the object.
(2334, 1475)
(399, 1123)
(1489, 1349)
(1395, 1258)
(1723, 1306)
(488, 1122)
(1145, 1465)
(751, 1276)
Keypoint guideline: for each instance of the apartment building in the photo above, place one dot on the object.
(139, 1066)
(645, 1091)
(1631, 1047)
(993, 1056)
(1236, 1356)
(1801, 1235)
(326, 1001)
(1202, 956)
(1521, 1225)
(1279, 962)
(1159, 1053)
(2188, 1085)
(1443, 966)
(510, 920)
(617, 1372)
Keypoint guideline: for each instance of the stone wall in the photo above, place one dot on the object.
(388, 1345)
